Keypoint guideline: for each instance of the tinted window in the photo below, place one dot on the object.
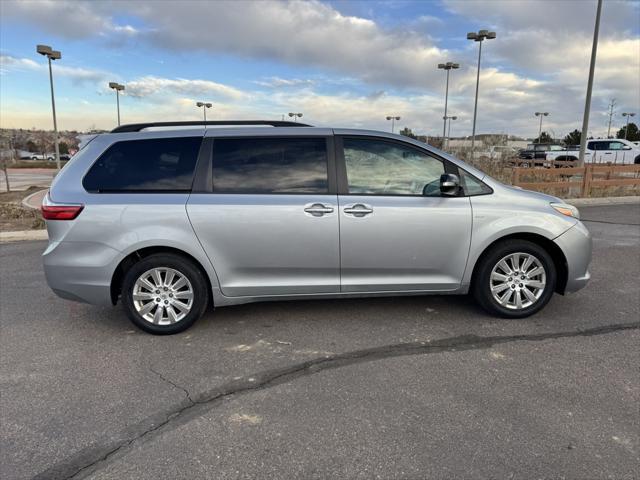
(598, 145)
(270, 165)
(161, 164)
(376, 167)
(473, 186)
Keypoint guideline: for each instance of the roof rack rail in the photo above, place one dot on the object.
(136, 127)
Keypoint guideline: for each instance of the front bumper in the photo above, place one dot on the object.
(576, 246)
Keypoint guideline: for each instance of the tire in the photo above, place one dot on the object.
(539, 285)
(180, 305)
(636, 161)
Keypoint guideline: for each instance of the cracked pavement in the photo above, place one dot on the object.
(427, 387)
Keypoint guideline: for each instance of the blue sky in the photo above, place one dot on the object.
(340, 62)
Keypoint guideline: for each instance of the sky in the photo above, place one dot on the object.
(342, 63)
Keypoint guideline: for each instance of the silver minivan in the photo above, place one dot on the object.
(174, 217)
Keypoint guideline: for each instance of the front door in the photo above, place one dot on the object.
(270, 223)
(396, 231)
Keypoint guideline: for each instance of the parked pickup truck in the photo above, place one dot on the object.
(616, 151)
(538, 150)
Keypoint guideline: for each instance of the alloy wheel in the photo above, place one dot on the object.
(162, 296)
(518, 281)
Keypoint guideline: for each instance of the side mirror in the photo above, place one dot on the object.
(449, 184)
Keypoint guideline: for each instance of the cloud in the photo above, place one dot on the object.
(151, 85)
(539, 60)
(65, 18)
(277, 82)
(78, 75)
(308, 33)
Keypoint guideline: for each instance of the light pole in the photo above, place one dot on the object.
(393, 119)
(478, 37)
(626, 129)
(541, 114)
(295, 116)
(447, 67)
(204, 106)
(449, 131)
(587, 101)
(118, 88)
(52, 55)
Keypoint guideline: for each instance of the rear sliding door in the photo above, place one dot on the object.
(269, 223)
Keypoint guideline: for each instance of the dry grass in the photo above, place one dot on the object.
(13, 216)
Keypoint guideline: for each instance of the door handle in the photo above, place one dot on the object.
(358, 210)
(318, 209)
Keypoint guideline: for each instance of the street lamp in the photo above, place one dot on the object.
(454, 117)
(541, 114)
(52, 55)
(204, 106)
(295, 116)
(118, 88)
(447, 67)
(626, 129)
(478, 37)
(393, 119)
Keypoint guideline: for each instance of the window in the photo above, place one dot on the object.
(160, 164)
(616, 145)
(598, 145)
(270, 165)
(472, 186)
(376, 167)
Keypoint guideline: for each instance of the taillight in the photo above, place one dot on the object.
(59, 211)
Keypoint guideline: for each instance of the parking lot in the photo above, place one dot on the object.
(415, 387)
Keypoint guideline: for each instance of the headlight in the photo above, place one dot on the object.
(565, 209)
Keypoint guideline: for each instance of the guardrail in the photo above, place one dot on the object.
(583, 178)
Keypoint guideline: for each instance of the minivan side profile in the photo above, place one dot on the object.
(176, 219)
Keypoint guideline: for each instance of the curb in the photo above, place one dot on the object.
(6, 237)
(25, 200)
(584, 202)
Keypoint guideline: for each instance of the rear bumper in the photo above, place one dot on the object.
(81, 271)
(576, 246)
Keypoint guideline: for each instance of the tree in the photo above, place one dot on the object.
(31, 146)
(64, 148)
(408, 133)
(544, 138)
(633, 134)
(573, 138)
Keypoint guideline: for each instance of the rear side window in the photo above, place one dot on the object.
(160, 164)
(270, 165)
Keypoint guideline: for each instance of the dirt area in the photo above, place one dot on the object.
(13, 216)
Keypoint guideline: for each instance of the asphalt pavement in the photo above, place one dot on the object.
(414, 387)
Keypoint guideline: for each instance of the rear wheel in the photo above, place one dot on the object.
(164, 294)
(515, 279)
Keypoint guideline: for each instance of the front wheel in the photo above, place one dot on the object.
(164, 294)
(515, 279)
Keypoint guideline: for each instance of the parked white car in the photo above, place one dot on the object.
(615, 150)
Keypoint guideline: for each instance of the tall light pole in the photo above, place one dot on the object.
(393, 119)
(541, 114)
(447, 67)
(449, 131)
(626, 129)
(52, 55)
(478, 37)
(118, 88)
(587, 102)
(295, 116)
(204, 106)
